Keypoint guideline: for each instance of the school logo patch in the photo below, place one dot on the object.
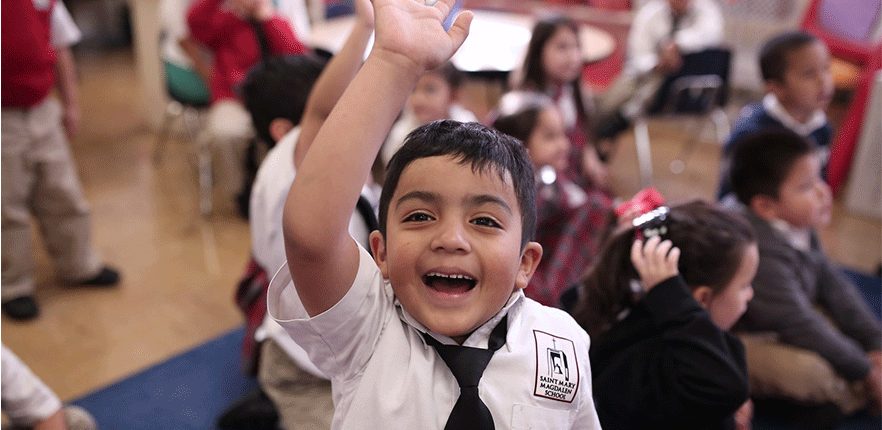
(557, 372)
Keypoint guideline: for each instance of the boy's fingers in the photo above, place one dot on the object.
(460, 29)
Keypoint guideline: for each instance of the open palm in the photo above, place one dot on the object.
(412, 30)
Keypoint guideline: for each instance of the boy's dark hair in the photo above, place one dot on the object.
(761, 161)
(278, 87)
(711, 241)
(485, 149)
(773, 55)
(449, 73)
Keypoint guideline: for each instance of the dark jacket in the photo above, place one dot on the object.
(667, 365)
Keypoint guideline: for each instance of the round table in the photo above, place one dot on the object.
(497, 41)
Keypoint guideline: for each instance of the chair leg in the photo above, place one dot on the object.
(203, 159)
(203, 155)
(678, 165)
(644, 153)
(172, 110)
(721, 123)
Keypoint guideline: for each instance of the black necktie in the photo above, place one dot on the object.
(467, 365)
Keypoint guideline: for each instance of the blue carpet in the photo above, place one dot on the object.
(187, 392)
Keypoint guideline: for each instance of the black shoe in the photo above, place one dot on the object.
(254, 411)
(21, 308)
(106, 277)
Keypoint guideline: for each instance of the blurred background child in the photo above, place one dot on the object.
(571, 222)
(810, 336)
(795, 67)
(658, 312)
(238, 33)
(553, 66)
(435, 97)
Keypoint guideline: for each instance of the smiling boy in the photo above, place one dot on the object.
(452, 255)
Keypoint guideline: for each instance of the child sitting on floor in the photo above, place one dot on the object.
(433, 330)
(658, 303)
(434, 98)
(796, 69)
(571, 222)
(810, 336)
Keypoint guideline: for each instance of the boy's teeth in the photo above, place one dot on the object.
(456, 276)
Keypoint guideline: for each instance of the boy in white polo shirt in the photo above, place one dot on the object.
(450, 259)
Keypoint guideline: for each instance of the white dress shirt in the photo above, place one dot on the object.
(384, 375)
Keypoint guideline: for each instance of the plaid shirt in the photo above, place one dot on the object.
(571, 225)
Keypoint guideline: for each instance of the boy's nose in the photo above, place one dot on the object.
(450, 237)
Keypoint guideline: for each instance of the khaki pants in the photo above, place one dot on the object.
(780, 370)
(629, 95)
(39, 179)
(303, 400)
(229, 130)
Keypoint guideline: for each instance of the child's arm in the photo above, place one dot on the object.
(204, 20)
(334, 79)
(68, 89)
(322, 257)
(277, 29)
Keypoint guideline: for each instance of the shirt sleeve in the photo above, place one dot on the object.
(26, 399)
(781, 305)
(281, 37)
(848, 308)
(703, 30)
(173, 17)
(63, 31)
(642, 42)
(341, 340)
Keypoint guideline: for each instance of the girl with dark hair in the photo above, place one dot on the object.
(553, 66)
(571, 223)
(658, 303)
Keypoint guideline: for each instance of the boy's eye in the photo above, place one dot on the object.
(418, 217)
(486, 222)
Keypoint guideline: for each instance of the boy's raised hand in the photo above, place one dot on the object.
(655, 261)
(364, 12)
(411, 31)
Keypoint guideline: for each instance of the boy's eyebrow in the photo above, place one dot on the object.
(473, 200)
(482, 199)
(424, 196)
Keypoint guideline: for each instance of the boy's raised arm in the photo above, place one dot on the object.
(322, 257)
(334, 79)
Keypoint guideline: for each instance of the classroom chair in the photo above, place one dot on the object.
(188, 98)
(697, 94)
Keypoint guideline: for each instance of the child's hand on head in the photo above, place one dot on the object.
(655, 261)
(411, 31)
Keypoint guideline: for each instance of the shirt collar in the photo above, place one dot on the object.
(798, 238)
(478, 338)
(774, 107)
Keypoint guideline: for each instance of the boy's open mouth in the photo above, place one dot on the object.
(449, 283)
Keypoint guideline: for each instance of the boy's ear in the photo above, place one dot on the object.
(703, 296)
(378, 249)
(765, 207)
(776, 87)
(530, 257)
(279, 127)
